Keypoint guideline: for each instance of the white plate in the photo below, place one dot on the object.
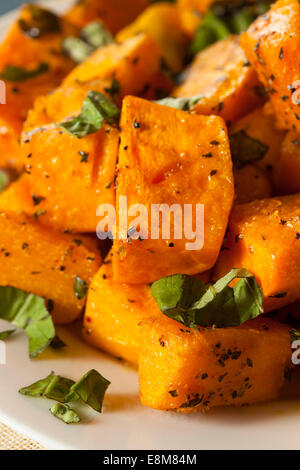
(125, 424)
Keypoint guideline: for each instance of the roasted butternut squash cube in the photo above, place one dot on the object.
(113, 313)
(251, 183)
(191, 13)
(287, 172)
(133, 67)
(161, 21)
(272, 45)
(170, 157)
(222, 80)
(32, 63)
(264, 237)
(114, 13)
(67, 178)
(189, 370)
(260, 126)
(46, 263)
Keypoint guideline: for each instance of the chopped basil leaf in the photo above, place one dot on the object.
(189, 301)
(294, 335)
(245, 149)
(53, 387)
(42, 22)
(27, 311)
(5, 334)
(4, 180)
(93, 36)
(64, 413)
(80, 288)
(91, 389)
(185, 104)
(96, 110)
(12, 73)
(96, 35)
(211, 30)
(77, 49)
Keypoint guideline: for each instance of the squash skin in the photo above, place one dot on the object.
(203, 176)
(263, 238)
(45, 263)
(260, 126)
(287, 172)
(271, 44)
(188, 370)
(115, 14)
(71, 187)
(20, 50)
(113, 313)
(161, 21)
(219, 75)
(135, 64)
(251, 183)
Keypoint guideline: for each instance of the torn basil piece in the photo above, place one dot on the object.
(91, 389)
(189, 301)
(245, 149)
(80, 288)
(96, 35)
(42, 22)
(65, 413)
(4, 180)
(77, 49)
(185, 104)
(53, 387)
(96, 110)
(28, 311)
(5, 334)
(12, 73)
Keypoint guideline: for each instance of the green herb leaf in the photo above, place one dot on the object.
(96, 110)
(294, 335)
(211, 29)
(91, 389)
(77, 49)
(5, 334)
(80, 288)
(96, 35)
(53, 387)
(42, 22)
(64, 413)
(27, 311)
(245, 149)
(185, 104)
(189, 301)
(12, 73)
(4, 180)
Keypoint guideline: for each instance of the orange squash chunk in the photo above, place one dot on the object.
(20, 50)
(113, 313)
(222, 78)
(46, 263)
(191, 13)
(188, 370)
(161, 21)
(115, 14)
(264, 238)
(135, 65)
(272, 46)
(287, 173)
(67, 178)
(171, 157)
(251, 183)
